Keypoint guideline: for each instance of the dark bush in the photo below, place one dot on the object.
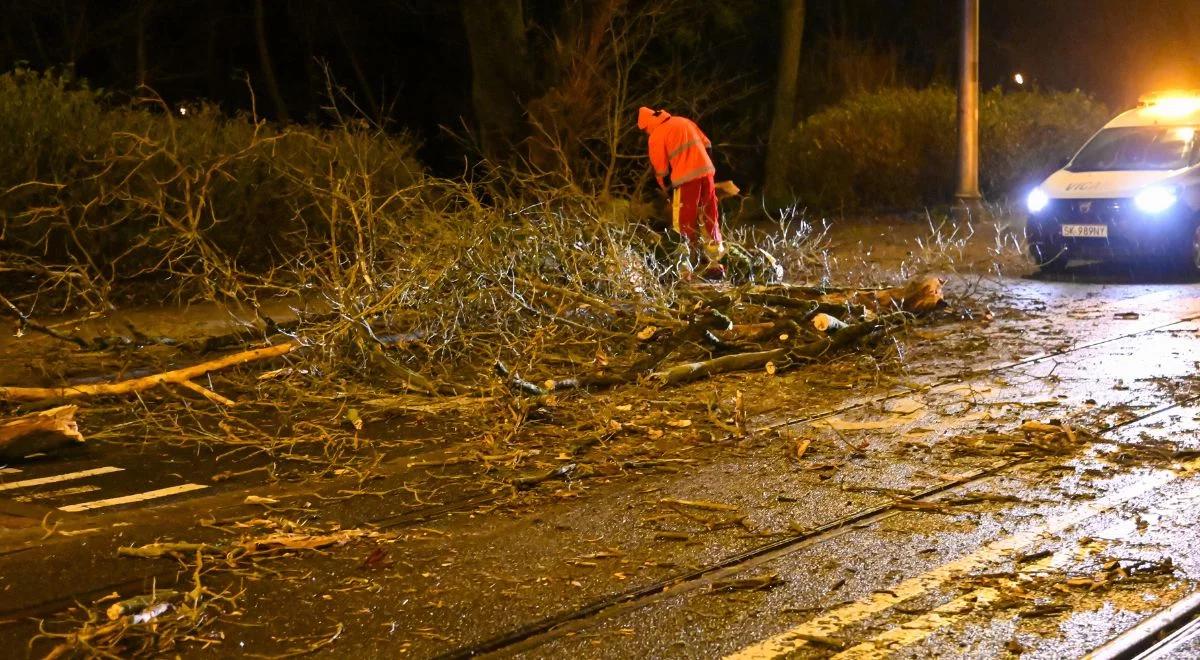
(896, 148)
(122, 189)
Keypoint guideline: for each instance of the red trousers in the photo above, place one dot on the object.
(694, 214)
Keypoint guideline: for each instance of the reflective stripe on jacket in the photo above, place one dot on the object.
(678, 148)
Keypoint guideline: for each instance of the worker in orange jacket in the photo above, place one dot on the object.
(679, 155)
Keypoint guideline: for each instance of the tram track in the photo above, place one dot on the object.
(534, 633)
(545, 630)
(1161, 636)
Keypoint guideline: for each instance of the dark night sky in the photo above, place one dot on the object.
(412, 54)
(1116, 49)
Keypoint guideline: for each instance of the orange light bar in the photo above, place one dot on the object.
(1173, 103)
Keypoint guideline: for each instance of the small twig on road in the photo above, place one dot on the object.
(25, 322)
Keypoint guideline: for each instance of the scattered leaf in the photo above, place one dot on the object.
(378, 559)
(802, 447)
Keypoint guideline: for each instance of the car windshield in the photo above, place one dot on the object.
(1136, 148)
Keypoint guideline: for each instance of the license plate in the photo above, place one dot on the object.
(1085, 231)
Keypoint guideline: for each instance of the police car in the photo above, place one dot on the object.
(1131, 192)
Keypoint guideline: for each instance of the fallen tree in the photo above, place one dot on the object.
(780, 324)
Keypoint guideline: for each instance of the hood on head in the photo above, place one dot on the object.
(648, 118)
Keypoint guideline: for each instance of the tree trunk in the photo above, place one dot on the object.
(76, 33)
(783, 118)
(216, 79)
(143, 15)
(264, 59)
(43, 60)
(359, 74)
(10, 41)
(305, 18)
(501, 71)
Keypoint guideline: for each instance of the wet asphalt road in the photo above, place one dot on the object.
(889, 537)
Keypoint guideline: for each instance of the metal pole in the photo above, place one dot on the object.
(968, 107)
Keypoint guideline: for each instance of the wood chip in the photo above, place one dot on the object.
(701, 504)
(746, 584)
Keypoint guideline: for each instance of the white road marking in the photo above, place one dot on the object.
(130, 499)
(57, 494)
(8, 470)
(59, 477)
(830, 623)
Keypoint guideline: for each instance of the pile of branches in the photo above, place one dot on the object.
(403, 281)
(777, 327)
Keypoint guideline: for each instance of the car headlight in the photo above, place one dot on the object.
(1155, 199)
(1037, 200)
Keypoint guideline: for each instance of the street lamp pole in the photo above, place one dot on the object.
(968, 108)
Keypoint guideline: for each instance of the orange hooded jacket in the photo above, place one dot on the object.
(678, 148)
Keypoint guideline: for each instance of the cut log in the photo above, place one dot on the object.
(783, 358)
(700, 327)
(685, 373)
(827, 324)
(746, 331)
(918, 296)
(177, 377)
(37, 432)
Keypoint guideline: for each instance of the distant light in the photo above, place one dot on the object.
(1037, 200)
(1155, 199)
(1018, 78)
(182, 111)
